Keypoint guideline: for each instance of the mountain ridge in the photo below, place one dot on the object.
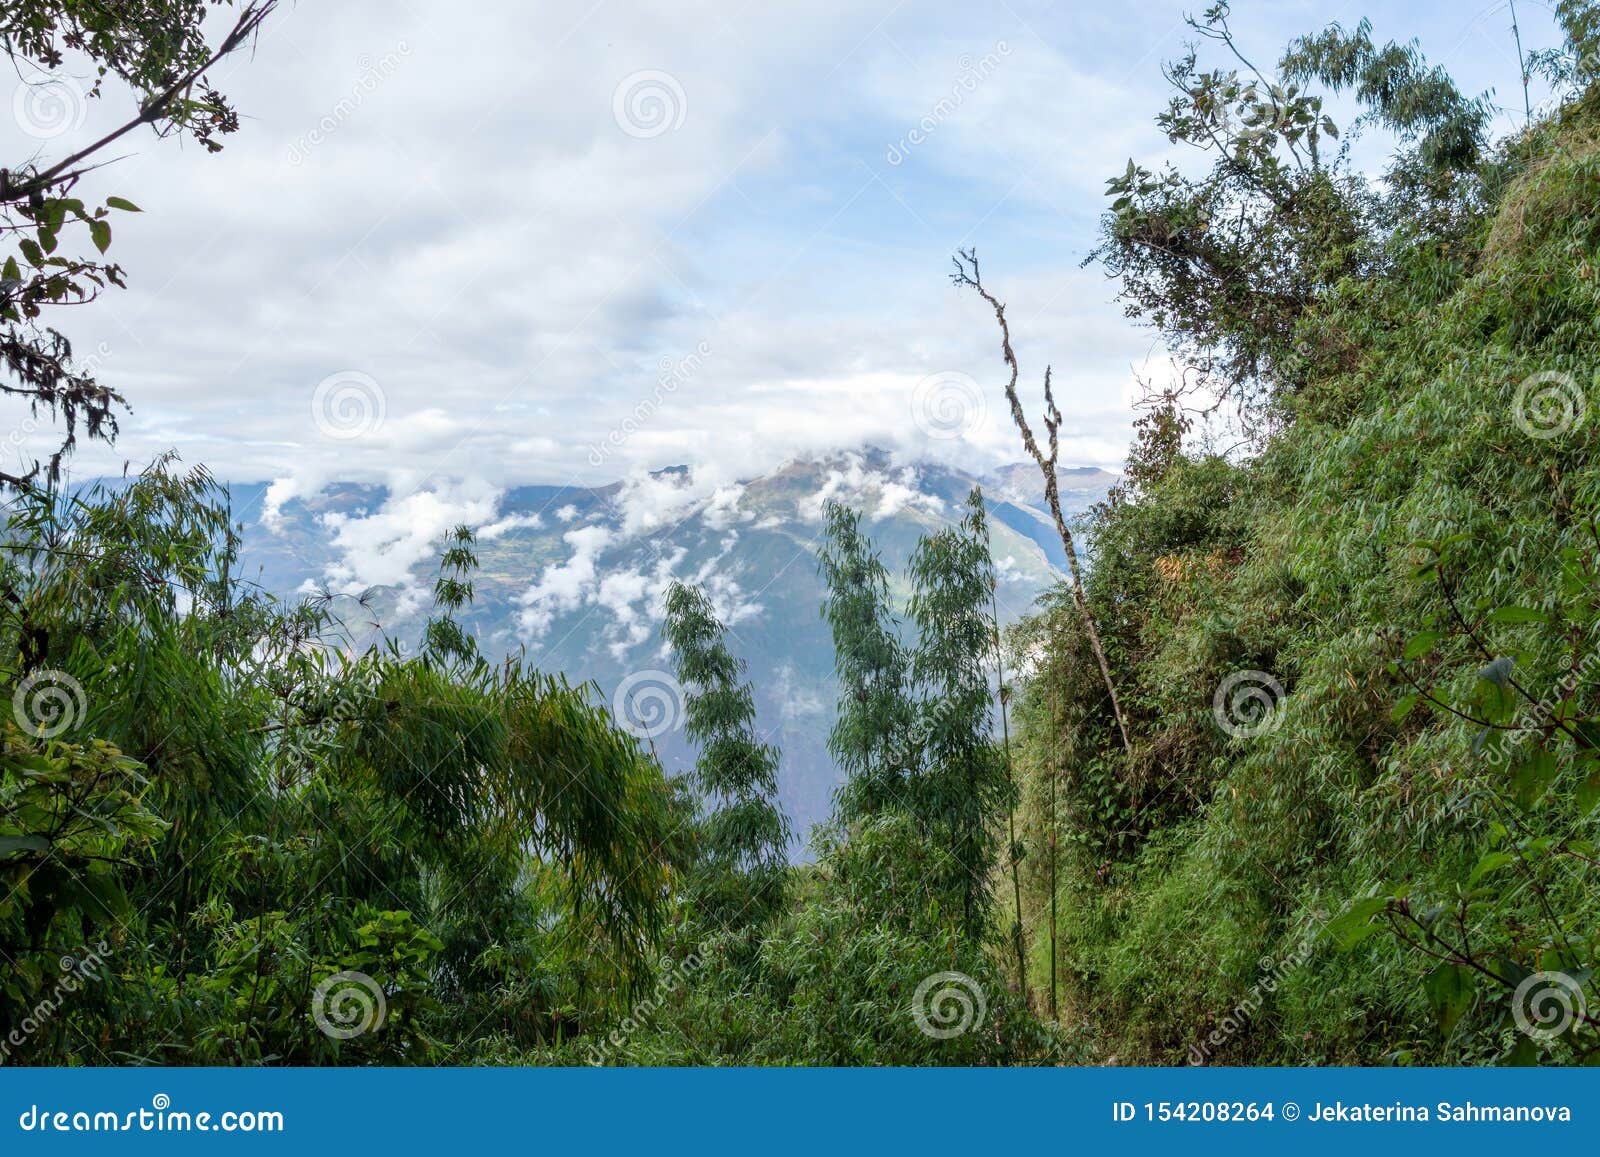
(571, 577)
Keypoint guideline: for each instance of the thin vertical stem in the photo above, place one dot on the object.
(1522, 67)
(1011, 814)
(1050, 773)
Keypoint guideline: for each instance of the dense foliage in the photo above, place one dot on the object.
(238, 809)
(1357, 822)
(1345, 813)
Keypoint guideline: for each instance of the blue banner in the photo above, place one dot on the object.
(819, 1111)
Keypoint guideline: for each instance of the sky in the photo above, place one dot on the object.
(458, 247)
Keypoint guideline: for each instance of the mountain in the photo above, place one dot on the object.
(572, 577)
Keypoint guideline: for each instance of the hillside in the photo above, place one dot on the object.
(1358, 821)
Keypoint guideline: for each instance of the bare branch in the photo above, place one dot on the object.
(967, 275)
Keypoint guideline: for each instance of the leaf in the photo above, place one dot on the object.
(122, 203)
(1449, 991)
(28, 843)
(1422, 643)
(1524, 1054)
(1532, 775)
(1404, 707)
(1494, 694)
(1511, 970)
(100, 233)
(1517, 615)
(1498, 672)
(1588, 792)
(1354, 924)
(31, 252)
(1490, 863)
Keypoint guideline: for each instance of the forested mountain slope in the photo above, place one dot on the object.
(1357, 822)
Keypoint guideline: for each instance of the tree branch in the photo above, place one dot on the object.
(967, 275)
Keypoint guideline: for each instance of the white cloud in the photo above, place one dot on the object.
(504, 526)
(563, 586)
(798, 700)
(882, 493)
(381, 548)
(480, 237)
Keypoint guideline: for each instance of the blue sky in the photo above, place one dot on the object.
(445, 255)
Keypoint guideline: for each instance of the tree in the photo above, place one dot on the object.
(243, 811)
(872, 737)
(443, 638)
(161, 52)
(745, 837)
(962, 787)
(1227, 265)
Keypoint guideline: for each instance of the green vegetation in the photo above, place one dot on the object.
(1395, 832)
(1341, 810)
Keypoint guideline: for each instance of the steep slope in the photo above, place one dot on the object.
(1361, 808)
